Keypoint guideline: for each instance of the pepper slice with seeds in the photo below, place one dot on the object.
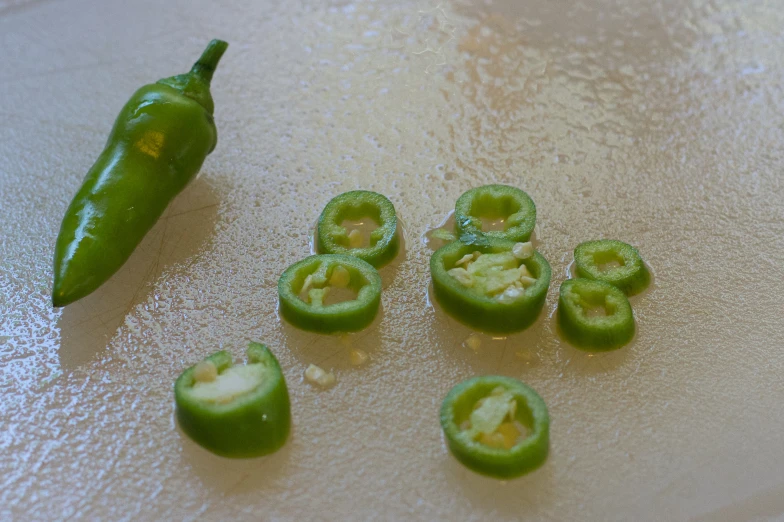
(511, 204)
(614, 262)
(237, 411)
(496, 426)
(334, 238)
(305, 286)
(490, 284)
(594, 315)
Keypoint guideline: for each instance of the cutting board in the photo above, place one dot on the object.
(656, 123)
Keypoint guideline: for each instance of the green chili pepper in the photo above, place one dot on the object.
(496, 426)
(237, 411)
(490, 284)
(305, 285)
(627, 271)
(496, 201)
(594, 315)
(157, 145)
(333, 238)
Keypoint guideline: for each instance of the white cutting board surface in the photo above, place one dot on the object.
(657, 123)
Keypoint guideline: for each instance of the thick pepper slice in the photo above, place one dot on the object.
(237, 411)
(614, 262)
(496, 426)
(594, 315)
(496, 201)
(333, 238)
(157, 145)
(490, 284)
(305, 285)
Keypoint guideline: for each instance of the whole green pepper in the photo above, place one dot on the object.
(157, 145)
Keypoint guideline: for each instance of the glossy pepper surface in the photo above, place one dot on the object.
(157, 145)
(497, 426)
(237, 411)
(304, 287)
(487, 285)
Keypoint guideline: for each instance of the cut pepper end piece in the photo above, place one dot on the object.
(239, 411)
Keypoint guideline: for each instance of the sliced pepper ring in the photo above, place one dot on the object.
(460, 408)
(333, 238)
(484, 312)
(238, 411)
(594, 333)
(496, 201)
(318, 271)
(631, 274)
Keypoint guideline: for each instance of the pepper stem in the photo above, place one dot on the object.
(206, 65)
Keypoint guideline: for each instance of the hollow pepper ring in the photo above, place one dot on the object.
(333, 238)
(317, 272)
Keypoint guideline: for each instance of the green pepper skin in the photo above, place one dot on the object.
(348, 316)
(358, 204)
(496, 201)
(525, 456)
(600, 333)
(157, 145)
(481, 312)
(254, 424)
(632, 277)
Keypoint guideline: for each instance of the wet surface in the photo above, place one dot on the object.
(655, 123)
